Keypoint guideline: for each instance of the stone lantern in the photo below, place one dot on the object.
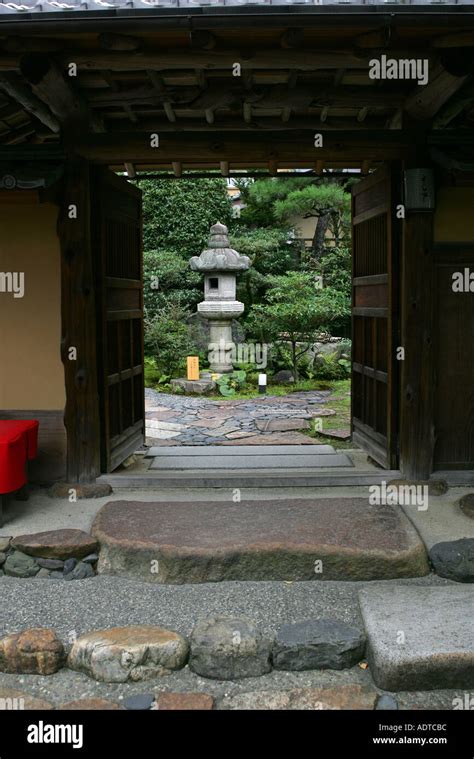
(220, 265)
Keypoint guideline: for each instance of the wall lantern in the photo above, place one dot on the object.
(419, 189)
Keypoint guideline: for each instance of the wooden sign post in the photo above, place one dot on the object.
(193, 367)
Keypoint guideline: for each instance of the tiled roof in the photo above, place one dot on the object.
(62, 6)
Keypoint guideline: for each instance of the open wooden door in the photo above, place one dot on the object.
(375, 317)
(117, 236)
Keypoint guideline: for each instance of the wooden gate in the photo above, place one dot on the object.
(117, 214)
(375, 317)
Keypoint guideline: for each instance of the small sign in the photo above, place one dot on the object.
(193, 367)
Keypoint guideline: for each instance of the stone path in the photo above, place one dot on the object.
(268, 420)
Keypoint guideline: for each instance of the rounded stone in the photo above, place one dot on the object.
(69, 565)
(128, 653)
(228, 648)
(318, 644)
(56, 544)
(18, 564)
(91, 559)
(36, 651)
(80, 572)
(454, 559)
(50, 563)
(466, 504)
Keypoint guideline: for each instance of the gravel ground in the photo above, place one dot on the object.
(102, 602)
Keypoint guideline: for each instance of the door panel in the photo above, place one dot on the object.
(375, 317)
(454, 388)
(118, 240)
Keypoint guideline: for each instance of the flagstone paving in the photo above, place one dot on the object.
(270, 420)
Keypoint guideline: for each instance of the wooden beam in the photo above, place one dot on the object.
(115, 88)
(19, 135)
(237, 124)
(195, 148)
(247, 109)
(455, 40)
(319, 168)
(324, 113)
(119, 42)
(79, 326)
(361, 116)
(160, 88)
(209, 114)
(224, 165)
(463, 99)
(396, 121)
(17, 44)
(177, 168)
(51, 86)
(211, 60)
(379, 39)
(202, 39)
(273, 168)
(130, 169)
(16, 88)
(425, 102)
(292, 38)
(270, 96)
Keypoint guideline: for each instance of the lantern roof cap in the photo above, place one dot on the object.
(219, 256)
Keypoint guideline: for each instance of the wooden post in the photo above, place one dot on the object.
(79, 334)
(417, 369)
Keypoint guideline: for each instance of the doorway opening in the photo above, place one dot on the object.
(320, 305)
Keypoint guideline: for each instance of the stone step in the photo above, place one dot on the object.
(420, 637)
(282, 478)
(288, 539)
(230, 450)
(251, 461)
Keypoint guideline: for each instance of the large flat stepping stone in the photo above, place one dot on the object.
(291, 539)
(420, 638)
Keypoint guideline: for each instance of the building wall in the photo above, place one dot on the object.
(31, 371)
